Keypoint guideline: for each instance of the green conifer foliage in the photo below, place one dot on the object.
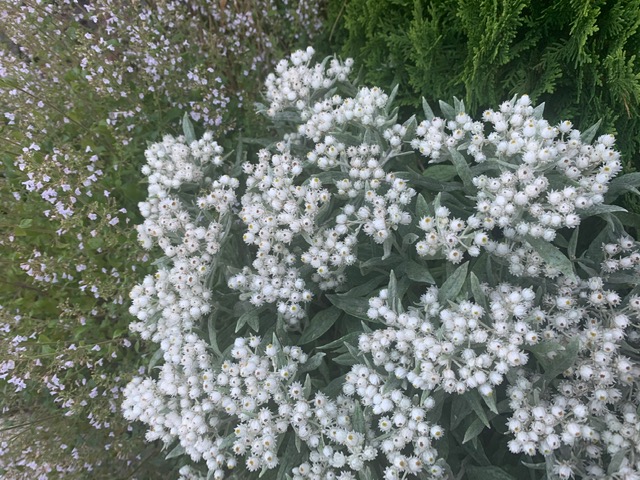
(577, 56)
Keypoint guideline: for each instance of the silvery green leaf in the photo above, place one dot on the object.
(393, 94)
(476, 290)
(490, 401)
(176, 452)
(487, 473)
(621, 185)
(410, 125)
(313, 363)
(335, 387)
(473, 399)
(419, 273)
(367, 287)
(346, 359)
(306, 388)
(213, 336)
(447, 110)
(440, 172)
(288, 457)
(458, 105)
(422, 207)
(155, 358)
(459, 411)
(428, 113)
(453, 285)
(356, 307)
(417, 179)
(387, 245)
(600, 209)
(348, 338)
(552, 256)
(475, 429)
(319, 324)
(562, 360)
(187, 128)
(589, 133)
(573, 243)
(287, 116)
(250, 318)
(392, 292)
(358, 421)
(409, 239)
(538, 111)
(462, 168)
(616, 461)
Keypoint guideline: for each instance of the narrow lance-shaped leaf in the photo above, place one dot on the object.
(187, 128)
(552, 256)
(462, 168)
(453, 285)
(589, 133)
(319, 324)
(428, 112)
(475, 429)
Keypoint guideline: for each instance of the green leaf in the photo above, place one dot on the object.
(555, 358)
(459, 411)
(213, 336)
(453, 285)
(392, 95)
(419, 273)
(447, 110)
(589, 133)
(441, 172)
(475, 429)
(600, 209)
(538, 111)
(313, 363)
(348, 338)
(187, 128)
(356, 307)
(573, 243)
(487, 473)
(621, 185)
(392, 293)
(319, 324)
(462, 168)
(476, 290)
(552, 256)
(250, 318)
(288, 458)
(176, 452)
(25, 223)
(155, 358)
(616, 461)
(473, 399)
(422, 207)
(428, 113)
(357, 420)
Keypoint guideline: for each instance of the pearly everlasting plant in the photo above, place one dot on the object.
(363, 298)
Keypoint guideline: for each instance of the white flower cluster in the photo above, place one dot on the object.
(220, 412)
(385, 200)
(593, 393)
(451, 235)
(275, 210)
(401, 420)
(451, 347)
(366, 108)
(279, 210)
(542, 177)
(294, 81)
